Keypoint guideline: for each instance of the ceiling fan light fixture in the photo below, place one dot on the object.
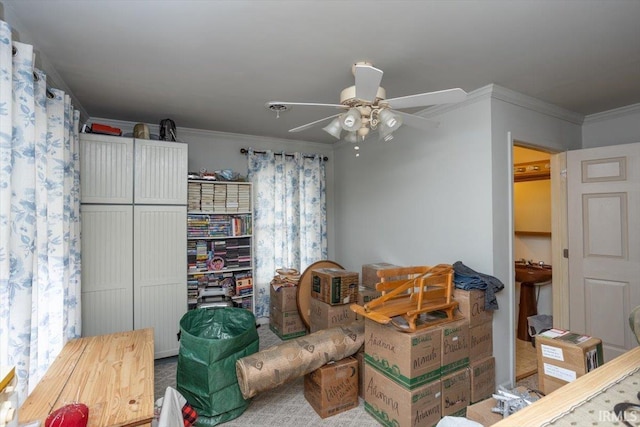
(334, 128)
(351, 137)
(351, 120)
(390, 120)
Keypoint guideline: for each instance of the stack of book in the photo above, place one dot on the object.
(197, 226)
(240, 225)
(232, 253)
(193, 196)
(232, 198)
(220, 198)
(244, 252)
(201, 255)
(244, 198)
(219, 226)
(206, 200)
(219, 248)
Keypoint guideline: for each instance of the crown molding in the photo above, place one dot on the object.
(534, 104)
(494, 91)
(616, 113)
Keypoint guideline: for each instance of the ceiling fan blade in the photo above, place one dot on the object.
(308, 104)
(308, 125)
(417, 121)
(425, 99)
(368, 80)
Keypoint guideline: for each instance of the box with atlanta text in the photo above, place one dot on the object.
(411, 359)
(393, 405)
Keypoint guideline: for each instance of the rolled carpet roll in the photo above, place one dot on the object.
(279, 364)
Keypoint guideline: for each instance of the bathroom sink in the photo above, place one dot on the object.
(532, 273)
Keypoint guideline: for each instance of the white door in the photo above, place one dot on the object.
(107, 269)
(160, 273)
(160, 172)
(603, 186)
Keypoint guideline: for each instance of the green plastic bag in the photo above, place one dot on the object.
(211, 341)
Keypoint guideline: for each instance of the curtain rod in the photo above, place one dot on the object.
(245, 151)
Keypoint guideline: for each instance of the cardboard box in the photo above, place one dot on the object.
(481, 341)
(370, 273)
(471, 306)
(333, 388)
(455, 346)
(481, 412)
(410, 359)
(285, 298)
(286, 324)
(483, 378)
(456, 392)
(366, 295)
(360, 359)
(394, 406)
(564, 356)
(324, 316)
(334, 286)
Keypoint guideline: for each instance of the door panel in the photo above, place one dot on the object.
(603, 187)
(107, 282)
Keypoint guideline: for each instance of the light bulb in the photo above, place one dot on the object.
(351, 120)
(334, 128)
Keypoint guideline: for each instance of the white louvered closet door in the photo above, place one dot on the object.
(107, 277)
(134, 195)
(160, 270)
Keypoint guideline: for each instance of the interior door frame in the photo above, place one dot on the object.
(559, 238)
(559, 241)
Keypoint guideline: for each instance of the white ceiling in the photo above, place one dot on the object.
(213, 64)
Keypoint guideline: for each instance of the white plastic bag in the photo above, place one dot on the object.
(168, 409)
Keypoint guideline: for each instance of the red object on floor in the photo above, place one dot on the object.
(189, 415)
(71, 415)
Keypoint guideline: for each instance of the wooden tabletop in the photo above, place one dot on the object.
(568, 396)
(111, 374)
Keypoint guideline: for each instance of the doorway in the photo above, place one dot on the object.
(532, 245)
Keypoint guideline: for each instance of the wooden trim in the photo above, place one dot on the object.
(532, 171)
(559, 241)
(533, 233)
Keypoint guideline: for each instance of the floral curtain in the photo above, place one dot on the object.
(39, 216)
(290, 216)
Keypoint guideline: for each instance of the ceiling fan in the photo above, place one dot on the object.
(365, 107)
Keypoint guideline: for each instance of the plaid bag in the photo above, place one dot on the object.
(189, 414)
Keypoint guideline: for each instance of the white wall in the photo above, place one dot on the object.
(619, 126)
(411, 201)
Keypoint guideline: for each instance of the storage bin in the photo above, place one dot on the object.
(211, 341)
(537, 324)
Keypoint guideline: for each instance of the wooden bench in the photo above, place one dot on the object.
(421, 290)
(111, 374)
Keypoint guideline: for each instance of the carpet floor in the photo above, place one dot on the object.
(284, 406)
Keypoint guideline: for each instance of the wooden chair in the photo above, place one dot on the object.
(409, 292)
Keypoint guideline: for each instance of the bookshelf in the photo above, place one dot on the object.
(219, 244)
